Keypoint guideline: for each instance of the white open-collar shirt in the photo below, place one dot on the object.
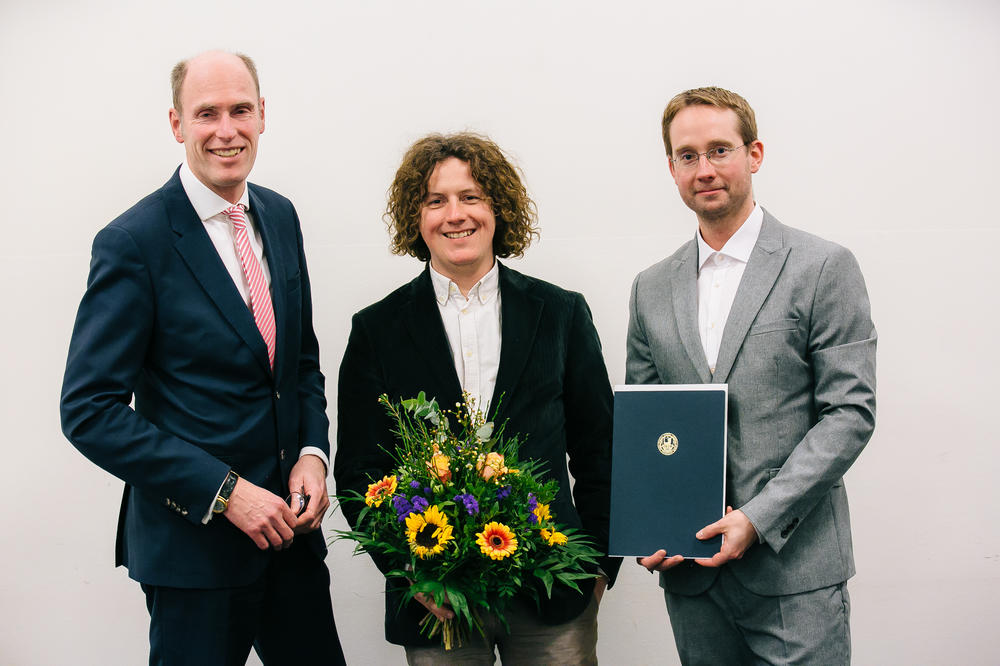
(719, 275)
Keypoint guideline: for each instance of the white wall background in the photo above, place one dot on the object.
(879, 121)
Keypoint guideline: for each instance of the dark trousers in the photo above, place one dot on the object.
(286, 616)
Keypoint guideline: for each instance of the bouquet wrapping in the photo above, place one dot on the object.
(463, 519)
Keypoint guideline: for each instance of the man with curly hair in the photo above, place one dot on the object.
(521, 346)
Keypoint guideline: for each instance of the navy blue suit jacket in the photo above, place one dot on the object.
(162, 321)
(555, 392)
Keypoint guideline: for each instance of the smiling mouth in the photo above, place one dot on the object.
(226, 152)
(459, 234)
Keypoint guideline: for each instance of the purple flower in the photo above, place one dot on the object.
(532, 505)
(419, 503)
(427, 491)
(503, 493)
(470, 503)
(414, 484)
(402, 507)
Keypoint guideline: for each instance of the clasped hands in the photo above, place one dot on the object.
(739, 534)
(267, 519)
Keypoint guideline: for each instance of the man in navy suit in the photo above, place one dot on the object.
(198, 306)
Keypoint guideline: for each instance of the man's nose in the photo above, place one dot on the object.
(705, 167)
(452, 210)
(225, 129)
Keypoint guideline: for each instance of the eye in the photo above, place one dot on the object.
(434, 202)
(471, 198)
(719, 151)
(687, 157)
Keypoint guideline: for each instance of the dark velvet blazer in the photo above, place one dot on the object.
(162, 321)
(555, 392)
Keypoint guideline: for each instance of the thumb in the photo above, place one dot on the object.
(710, 531)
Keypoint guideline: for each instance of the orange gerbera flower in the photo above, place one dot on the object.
(497, 541)
(380, 491)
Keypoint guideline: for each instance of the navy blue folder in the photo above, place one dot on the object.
(668, 470)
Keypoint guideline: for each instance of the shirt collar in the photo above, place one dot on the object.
(485, 290)
(740, 244)
(207, 204)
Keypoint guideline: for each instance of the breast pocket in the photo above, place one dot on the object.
(789, 324)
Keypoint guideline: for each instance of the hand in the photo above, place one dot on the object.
(659, 561)
(310, 473)
(440, 612)
(261, 515)
(739, 533)
(600, 585)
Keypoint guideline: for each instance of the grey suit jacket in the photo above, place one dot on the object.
(798, 353)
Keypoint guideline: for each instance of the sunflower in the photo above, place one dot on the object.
(428, 532)
(380, 490)
(496, 541)
(552, 537)
(542, 513)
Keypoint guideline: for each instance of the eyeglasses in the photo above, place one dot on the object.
(716, 156)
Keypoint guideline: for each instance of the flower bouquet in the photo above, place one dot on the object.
(464, 519)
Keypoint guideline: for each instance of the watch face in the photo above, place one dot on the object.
(220, 505)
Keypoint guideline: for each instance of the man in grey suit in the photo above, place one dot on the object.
(782, 317)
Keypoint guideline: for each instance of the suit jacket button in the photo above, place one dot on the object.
(277, 395)
(282, 454)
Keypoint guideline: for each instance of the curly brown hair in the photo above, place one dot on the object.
(514, 211)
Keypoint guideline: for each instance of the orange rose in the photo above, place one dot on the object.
(491, 465)
(439, 467)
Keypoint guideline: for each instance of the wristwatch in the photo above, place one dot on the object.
(222, 500)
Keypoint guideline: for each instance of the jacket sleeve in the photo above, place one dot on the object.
(588, 405)
(314, 425)
(362, 424)
(841, 348)
(110, 341)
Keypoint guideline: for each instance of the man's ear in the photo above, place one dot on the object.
(261, 115)
(756, 151)
(175, 125)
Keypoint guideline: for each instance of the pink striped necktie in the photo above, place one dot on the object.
(260, 297)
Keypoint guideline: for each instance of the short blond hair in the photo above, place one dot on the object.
(711, 96)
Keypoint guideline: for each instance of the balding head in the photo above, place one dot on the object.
(180, 70)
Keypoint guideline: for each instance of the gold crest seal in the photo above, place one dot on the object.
(667, 443)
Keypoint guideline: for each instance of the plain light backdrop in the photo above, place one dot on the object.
(879, 126)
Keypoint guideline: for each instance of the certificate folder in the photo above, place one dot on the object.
(668, 469)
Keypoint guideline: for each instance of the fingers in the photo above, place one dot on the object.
(659, 561)
(440, 612)
(261, 515)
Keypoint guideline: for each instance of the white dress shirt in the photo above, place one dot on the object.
(473, 327)
(210, 208)
(719, 275)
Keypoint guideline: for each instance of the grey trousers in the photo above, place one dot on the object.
(729, 624)
(529, 642)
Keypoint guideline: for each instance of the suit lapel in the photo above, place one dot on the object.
(684, 285)
(198, 252)
(276, 268)
(520, 314)
(762, 270)
(422, 321)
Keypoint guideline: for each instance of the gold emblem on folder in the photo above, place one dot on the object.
(667, 443)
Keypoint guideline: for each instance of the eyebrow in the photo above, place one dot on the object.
(714, 143)
(214, 107)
